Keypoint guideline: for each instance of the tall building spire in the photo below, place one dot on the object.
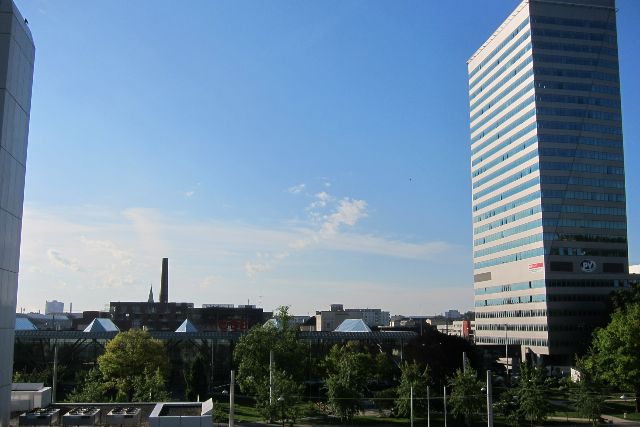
(150, 300)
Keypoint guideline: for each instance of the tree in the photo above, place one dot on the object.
(466, 394)
(615, 351)
(252, 356)
(348, 369)
(412, 375)
(132, 365)
(589, 398)
(196, 378)
(530, 394)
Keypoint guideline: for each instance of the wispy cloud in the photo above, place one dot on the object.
(58, 260)
(296, 189)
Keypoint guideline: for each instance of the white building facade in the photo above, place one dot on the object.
(547, 167)
(17, 54)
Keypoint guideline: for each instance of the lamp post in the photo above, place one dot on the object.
(281, 400)
(506, 351)
(489, 400)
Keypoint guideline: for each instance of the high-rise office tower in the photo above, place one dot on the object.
(16, 74)
(549, 217)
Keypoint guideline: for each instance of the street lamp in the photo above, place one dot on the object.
(281, 400)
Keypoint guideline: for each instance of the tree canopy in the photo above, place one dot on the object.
(615, 351)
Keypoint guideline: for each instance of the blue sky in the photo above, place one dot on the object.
(298, 153)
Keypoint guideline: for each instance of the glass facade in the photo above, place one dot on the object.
(547, 171)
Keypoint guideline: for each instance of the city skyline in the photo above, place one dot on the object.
(277, 156)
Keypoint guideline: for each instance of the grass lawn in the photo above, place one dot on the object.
(618, 408)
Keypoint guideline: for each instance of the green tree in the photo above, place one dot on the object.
(196, 378)
(252, 357)
(589, 398)
(530, 394)
(348, 370)
(466, 398)
(615, 351)
(131, 360)
(412, 375)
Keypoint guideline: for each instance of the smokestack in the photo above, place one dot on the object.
(164, 281)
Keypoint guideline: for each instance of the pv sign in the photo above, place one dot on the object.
(588, 266)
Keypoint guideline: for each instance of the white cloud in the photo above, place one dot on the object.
(348, 213)
(296, 189)
(634, 269)
(57, 259)
(190, 193)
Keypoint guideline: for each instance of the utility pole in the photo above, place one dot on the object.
(445, 406)
(270, 377)
(489, 401)
(232, 392)
(411, 403)
(428, 408)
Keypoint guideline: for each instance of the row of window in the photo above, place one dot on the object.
(505, 156)
(506, 207)
(495, 125)
(508, 232)
(532, 342)
(505, 143)
(504, 93)
(500, 184)
(580, 127)
(586, 100)
(520, 120)
(520, 286)
(598, 37)
(502, 107)
(502, 83)
(580, 140)
(583, 195)
(509, 245)
(525, 299)
(578, 87)
(582, 167)
(507, 193)
(516, 328)
(579, 74)
(583, 223)
(501, 95)
(572, 60)
(582, 48)
(537, 312)
(509, 258)
(587, 252)
(515, 58)
(582, 113)
(568, 237)
(581, 154)
(577, 298)
(586, 283)
(584, 209)
(553, 20)
(577, 180)
(518, 162)
(499, 48)
(560, 208)
(497, 62)
(508, 219)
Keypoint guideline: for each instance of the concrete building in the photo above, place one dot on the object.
(54, 306)
(17, 54)
(548, 190)
(330, 320)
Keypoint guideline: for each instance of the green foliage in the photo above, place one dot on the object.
(150, 387)
(412, 375)
(615, 351)
(285, 387)
(252, 356)
(133, 366)
(91, 389)
(348, 369)
(589, 398)
(196, 378)
(530, 394)
(35, 376)
(507, 406)
(466, 398)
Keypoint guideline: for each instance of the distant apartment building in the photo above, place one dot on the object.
(547, 171)
(459, 328)
(331, 319)
(226, 317)
(17, 54)
(153, 316)
(54, 306)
